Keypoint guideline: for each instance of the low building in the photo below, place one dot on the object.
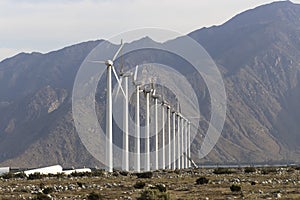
(83, 170)
(55, 169)
(4, 170)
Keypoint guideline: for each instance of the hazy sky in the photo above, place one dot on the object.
(46, 25)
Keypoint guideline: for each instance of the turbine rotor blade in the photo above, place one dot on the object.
(135, 73)
(117, 53)
(152, 85)
(179, 108)
(115, 73)
(96, 61)
(118, 89)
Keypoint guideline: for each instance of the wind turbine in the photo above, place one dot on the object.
(155, 97)
(189, 143)
(178, 142)
(185, 143)
(147, 91)
(188, 147)
(137, 120)
(182, 140)
(125, 163)
(163, 103)
(169, 136)
(174, 139)
(109, 143)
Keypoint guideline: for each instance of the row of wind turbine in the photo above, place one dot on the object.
(183, 135)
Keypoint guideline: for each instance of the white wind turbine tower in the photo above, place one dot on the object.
(186, 144)
(147, 91)
(125, 162)
(182, 139)
(174, 139)
(163, 103)
(178, 142)
(169, 137)
(155, 97)
(109, 143)
(137, 120)
(178, 138)
(189, 143)
(187, 154)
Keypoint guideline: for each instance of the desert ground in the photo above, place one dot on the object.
(202, 183)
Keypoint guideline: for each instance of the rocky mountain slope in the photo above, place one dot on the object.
(36, 127)
(258, 53)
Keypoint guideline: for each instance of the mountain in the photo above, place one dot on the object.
(36, 125)
(257, 51)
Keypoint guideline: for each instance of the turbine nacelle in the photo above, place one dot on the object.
(148, 89)
(154, 95)
(109, 63)
(165, 103)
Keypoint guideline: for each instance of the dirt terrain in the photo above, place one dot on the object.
(253, 183)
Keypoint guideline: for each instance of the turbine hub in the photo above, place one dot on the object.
(109, 63)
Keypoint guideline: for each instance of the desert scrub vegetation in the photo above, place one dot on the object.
(235, 188)
(41, 196)
(153, 194)
(161, 187)
(10, 175)
(145, 175)
(95, 196)
(139, 185)
(250, 169)
(36, 176)
(222, 170)
(48, 190)
(201, 181)
(268, 170)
